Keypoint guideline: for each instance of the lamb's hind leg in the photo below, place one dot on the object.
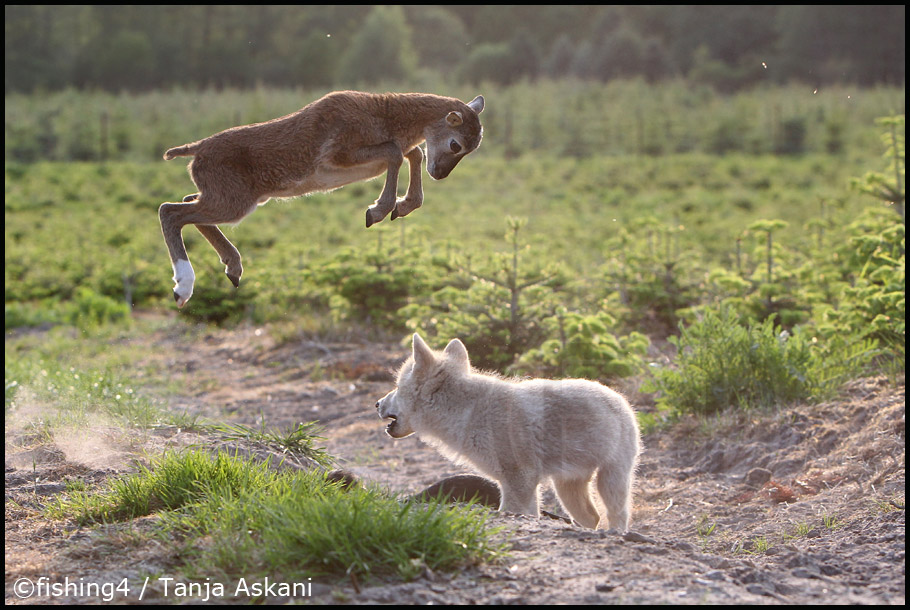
(175, 216)
(171, 217)
(229, 254)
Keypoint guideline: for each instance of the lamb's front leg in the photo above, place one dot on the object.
(387, 199)
(413, 199)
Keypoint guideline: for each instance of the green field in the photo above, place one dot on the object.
(592, 215)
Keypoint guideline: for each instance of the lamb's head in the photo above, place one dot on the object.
(419, 379)
(450, 139)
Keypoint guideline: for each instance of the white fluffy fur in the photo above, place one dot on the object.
(521, 433)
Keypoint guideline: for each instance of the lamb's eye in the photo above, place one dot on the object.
(455, 146)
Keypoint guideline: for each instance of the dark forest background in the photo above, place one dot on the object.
(138, 48)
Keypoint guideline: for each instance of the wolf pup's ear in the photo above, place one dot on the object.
(423, 355)
(457, 352)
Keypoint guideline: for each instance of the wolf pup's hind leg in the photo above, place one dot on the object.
(575, 496)
(615, 489)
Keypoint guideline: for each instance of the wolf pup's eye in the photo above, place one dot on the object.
(455, 146)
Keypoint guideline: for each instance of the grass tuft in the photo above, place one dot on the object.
(298, 441)
(236, 517)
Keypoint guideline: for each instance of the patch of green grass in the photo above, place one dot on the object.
(760, 545)
(170, 482)
(801, 530)
(74, 485)
(292, 530)
(299, 440)
(705, 527)
(893, 503)
(830, 521)
(235, 517)
(755, 546)
(55, 388)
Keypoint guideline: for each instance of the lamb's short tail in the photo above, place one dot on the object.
(187, 150)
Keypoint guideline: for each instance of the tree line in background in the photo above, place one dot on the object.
(137, 48)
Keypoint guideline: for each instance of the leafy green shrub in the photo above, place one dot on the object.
(775, 287)
(497, 310)
(725, 137)
(586, 348)
(133, 279)
(215, 300)
(373, 286)
(834, 136)
(723, 363)
(890, 192)
(18, 315)
(649, 276)
(871, 297)
(483, 316)
(88, 308)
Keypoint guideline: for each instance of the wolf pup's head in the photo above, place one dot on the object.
(449, 140)
(419, 382)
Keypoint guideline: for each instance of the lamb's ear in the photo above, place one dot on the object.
(457, 352)
(423, 355)
(476, 104)
(453, 119)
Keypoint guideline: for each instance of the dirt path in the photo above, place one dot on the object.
(803, 506)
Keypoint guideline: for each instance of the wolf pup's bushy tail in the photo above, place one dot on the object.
(187, 150)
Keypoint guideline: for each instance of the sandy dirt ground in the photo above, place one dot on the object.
(804, 505)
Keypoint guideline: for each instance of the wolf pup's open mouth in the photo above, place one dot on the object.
(391, 423)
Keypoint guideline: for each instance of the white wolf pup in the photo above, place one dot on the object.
(520, 433)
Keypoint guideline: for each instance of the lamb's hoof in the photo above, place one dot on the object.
(235, 279)
(180, 301)
(373, 218)
(394, 214)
